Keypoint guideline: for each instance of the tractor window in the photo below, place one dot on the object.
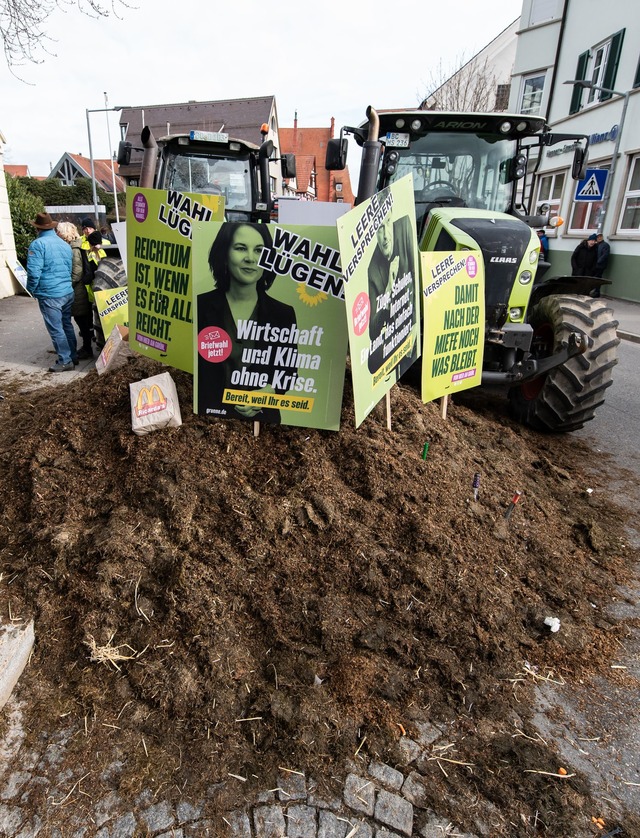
(229, 177)
(455, 169)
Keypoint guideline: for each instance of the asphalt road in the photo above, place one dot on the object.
(596, 724)
(615, 430)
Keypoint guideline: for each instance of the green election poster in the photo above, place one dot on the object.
(270, 334)
(379, 252)
(453, 304)
(159, 225)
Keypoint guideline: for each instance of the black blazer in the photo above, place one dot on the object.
(378, 275)
(213, 378)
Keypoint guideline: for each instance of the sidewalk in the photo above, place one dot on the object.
(25, 348)
(628, 315)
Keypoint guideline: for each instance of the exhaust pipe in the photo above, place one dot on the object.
(370, 158)
(149, 159)
(265, 152)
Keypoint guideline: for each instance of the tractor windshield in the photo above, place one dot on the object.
(457, 169)
(227, 176)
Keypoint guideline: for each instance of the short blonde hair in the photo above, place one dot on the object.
(67, 231)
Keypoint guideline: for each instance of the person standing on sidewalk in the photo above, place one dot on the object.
(88, 227)
(81, 309)
(49, 262)
(603, 250)
(583, 258)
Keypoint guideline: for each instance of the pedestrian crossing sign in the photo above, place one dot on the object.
(591, 188)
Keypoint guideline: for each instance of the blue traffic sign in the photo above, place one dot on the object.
(592, 187)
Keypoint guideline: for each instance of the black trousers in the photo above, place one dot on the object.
(84, 323)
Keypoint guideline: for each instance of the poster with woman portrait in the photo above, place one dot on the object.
(382, 274)
(270, 332)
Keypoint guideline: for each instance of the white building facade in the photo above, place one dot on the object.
(482, 83)
(568, 40)
(8, 285)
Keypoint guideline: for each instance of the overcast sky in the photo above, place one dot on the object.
(325, 59)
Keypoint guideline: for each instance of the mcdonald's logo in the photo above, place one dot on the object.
(150, 400)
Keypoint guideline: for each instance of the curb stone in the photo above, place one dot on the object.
(378, 800)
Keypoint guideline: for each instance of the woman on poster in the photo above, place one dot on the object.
(240, 303)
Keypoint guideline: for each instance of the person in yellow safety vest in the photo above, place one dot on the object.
(93, 250)
(88, 227)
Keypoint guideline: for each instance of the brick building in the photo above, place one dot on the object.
(313, 181)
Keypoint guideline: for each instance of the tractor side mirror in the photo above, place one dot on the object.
(124, 153)
(579, 163)
(288, 165)
(336, 158)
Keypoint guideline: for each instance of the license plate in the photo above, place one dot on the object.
(396, 140)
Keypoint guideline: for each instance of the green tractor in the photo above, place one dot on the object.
(546, 339)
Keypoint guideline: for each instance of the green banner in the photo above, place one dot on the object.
(453, 303)
(379, 253)
(270, 329)
(159, 227)
(112, 305)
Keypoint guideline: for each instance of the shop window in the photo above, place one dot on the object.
(630, 217)
(585, 214)
(550, 189)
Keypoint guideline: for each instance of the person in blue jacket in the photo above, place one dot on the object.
(544, 245)
(49, 261)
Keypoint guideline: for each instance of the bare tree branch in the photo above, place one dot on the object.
(23, 25)
(471, 86)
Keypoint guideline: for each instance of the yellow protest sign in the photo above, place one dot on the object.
(453, 343)
(113, 308)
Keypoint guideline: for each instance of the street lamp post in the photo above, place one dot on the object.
(93, 168)
(113, 169)
(589, 85)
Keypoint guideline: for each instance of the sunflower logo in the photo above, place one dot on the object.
(310, 298)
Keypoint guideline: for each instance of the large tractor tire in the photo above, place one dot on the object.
(567, 396)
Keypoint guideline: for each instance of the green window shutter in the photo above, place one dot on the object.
(576, 98)
(611, 69)
(636, 81)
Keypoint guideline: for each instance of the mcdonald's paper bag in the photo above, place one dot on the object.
(154, 404)
(115, 351)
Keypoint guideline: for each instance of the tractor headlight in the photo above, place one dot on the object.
(515, 314)
(525, 277)
(392, 162)
(416, 125)
(533, 257)
(400, 123)
(505, 127)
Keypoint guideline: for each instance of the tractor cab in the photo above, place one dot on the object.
(214, 163)
(214, 167)
(473, 160)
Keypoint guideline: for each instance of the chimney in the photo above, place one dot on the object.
(333, 125)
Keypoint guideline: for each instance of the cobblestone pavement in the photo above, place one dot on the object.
(40, 796)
